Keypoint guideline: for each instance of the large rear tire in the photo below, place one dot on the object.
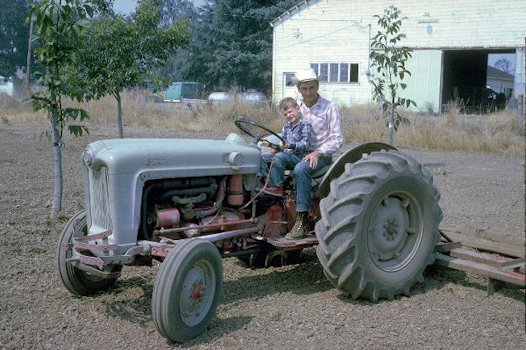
(75, 280)
(379, 226)
(187, 289)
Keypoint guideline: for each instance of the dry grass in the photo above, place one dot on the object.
(497, 132)
(18, 111)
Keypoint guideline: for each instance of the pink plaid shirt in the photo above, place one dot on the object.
(324, 118)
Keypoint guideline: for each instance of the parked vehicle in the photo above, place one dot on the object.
(180, 91)
(219, 98)
(191, 202)
(250, 96)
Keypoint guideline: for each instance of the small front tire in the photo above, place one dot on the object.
(187, 289)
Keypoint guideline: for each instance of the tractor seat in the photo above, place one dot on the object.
(320, 172)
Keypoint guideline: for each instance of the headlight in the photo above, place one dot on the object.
(87, 156)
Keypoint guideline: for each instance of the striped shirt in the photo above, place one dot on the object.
(326, 123)
(298, 135)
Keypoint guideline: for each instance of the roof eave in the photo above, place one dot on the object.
(293, 10)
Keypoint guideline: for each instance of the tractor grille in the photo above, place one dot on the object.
(99, 198)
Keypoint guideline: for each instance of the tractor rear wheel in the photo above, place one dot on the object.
(187, 289)
(379, 226)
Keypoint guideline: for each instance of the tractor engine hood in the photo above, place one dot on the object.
(186, 157)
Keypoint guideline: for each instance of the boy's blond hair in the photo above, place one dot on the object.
(288, 102)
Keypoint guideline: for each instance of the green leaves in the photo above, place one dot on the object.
(74, 113)
(77, 130)
(120, 53)
(388, 60)
(232, 44)
(60, 27)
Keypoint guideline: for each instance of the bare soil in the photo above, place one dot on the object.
(276, 308)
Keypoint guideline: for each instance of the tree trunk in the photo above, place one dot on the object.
(119, 114)
(27, 81)
(57, 158)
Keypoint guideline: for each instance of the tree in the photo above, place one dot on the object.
(172, 11)
(232, 44)
(13, 35)
(27, 78)
(504, 65)
(388, 64)
(119, 54)
(59, 28)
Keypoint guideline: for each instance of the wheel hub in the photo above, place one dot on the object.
(391, 231)
(194, 298)
(197, 291)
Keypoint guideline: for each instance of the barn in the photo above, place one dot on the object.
(451, 42)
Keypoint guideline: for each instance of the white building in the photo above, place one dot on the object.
(451, 41)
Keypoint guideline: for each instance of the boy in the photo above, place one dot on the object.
(297, 135)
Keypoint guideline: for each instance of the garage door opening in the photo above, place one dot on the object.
(471, 80)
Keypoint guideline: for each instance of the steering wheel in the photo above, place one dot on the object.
(251, 128)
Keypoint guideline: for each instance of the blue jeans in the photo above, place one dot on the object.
(301, 170)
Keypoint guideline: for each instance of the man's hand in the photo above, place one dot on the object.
(312, 158)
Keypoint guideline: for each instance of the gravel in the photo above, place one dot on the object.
(276, 308)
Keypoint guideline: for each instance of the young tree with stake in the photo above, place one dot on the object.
(388, 61)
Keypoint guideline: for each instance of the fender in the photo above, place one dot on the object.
(352, 155)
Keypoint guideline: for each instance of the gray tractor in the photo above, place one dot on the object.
(190, 202)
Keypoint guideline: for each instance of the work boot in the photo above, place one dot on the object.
(301, 227)
(274, 191)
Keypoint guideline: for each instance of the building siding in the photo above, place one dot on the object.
(332, 31)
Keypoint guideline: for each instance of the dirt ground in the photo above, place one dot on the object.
(276, 308)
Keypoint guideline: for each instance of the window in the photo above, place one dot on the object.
(336, 72)
(354, 73)
(289, 79)
(324, 72)
(333, 75)
(344, 72)
(315, 67)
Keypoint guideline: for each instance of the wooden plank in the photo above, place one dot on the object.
(482, 269)
(511, 247)
(483, 258)
(492, 237)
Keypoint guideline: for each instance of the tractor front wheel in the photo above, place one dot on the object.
(75, 280)
(187, 289)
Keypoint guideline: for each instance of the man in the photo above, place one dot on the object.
(326, 139)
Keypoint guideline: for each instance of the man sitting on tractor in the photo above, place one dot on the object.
(327, 138)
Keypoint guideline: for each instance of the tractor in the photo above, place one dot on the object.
(188, 203)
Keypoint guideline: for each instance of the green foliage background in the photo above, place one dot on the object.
(230, 40)
(14, 35)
